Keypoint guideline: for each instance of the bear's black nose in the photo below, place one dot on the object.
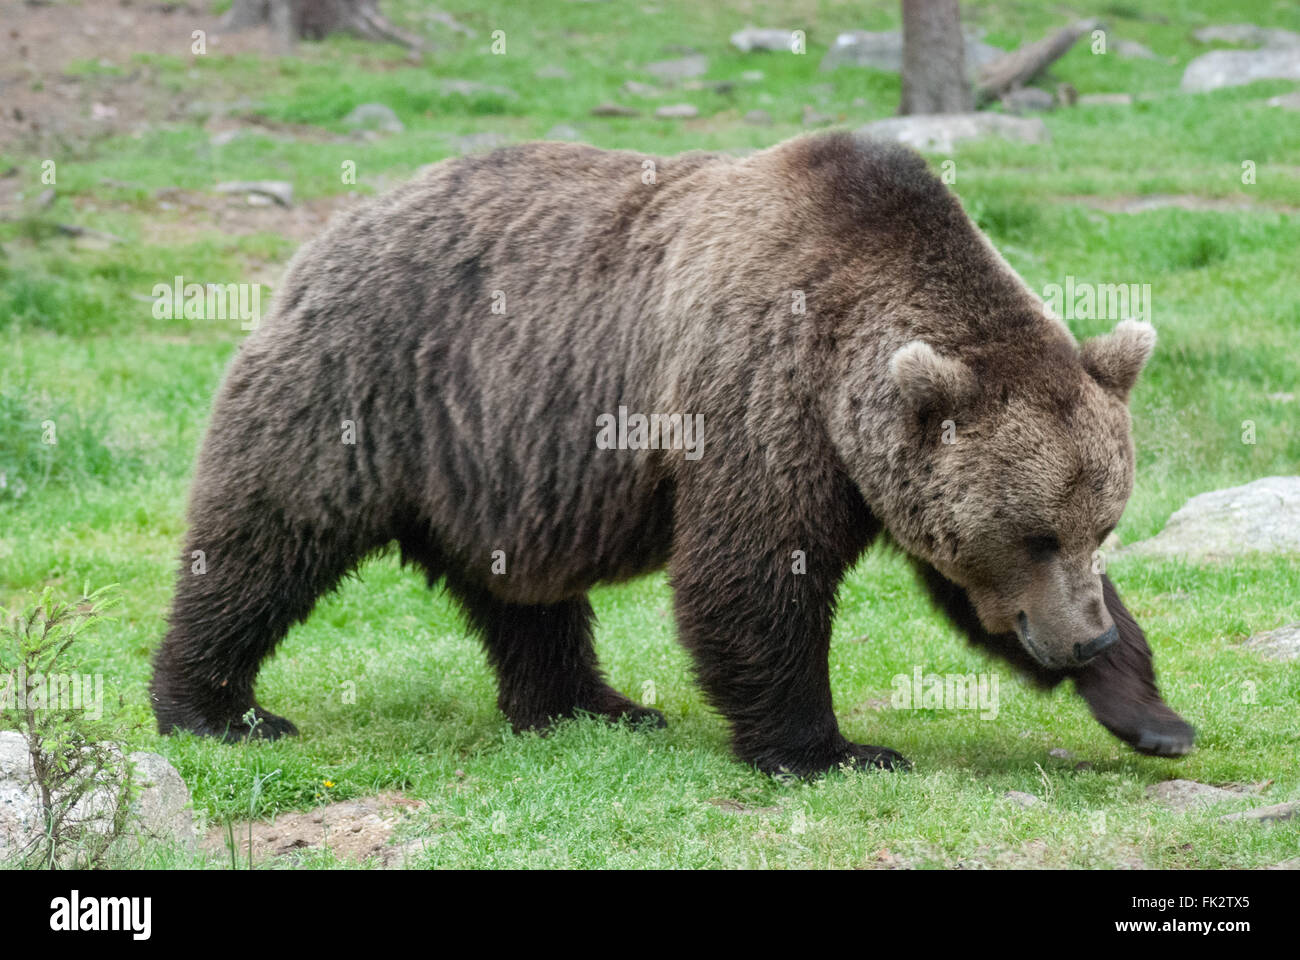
(1083, 652)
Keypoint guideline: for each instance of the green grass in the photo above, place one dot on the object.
(129, 396)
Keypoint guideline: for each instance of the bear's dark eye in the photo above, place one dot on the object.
(1042, 547)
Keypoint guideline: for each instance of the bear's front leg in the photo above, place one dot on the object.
(754, 604)
(1119, 685)
(1120, 689)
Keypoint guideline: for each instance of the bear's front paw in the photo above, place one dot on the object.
(882, 758)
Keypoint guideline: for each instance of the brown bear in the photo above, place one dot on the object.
(553, 366)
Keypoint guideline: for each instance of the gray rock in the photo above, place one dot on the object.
(1231, 68)
(752, 76)
(1022, 799)
(552, 71)
(1277, 812)
(1060, 753)
(472, 88)
(1247, 34)
(759, 118)
(1287, 101)
(682, 68)
(1282, 644)
(814, 118)
(161, 810)
(939, 131)
(884, 51)
(562, 131)
(480, 142)
(1028, 100)
(1263, 516)
(636, 88)
(614, 110)
(280, 191)
(1105, 100)
(1183, 795)
(677, 111)
(1132, 50)
(759, 38)
(373, 116)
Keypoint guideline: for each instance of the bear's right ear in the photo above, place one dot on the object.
(1115, 359)
(928, 381)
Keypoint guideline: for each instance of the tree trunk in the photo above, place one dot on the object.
(934, 59)
(291, 20)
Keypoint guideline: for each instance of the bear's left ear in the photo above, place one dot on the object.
(1115, 359)
(927, 380)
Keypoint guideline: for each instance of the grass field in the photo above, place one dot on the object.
(129, 395)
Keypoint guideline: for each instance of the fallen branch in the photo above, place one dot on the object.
(1018, 67)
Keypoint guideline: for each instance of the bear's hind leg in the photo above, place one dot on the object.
(545, 661)
(234, 602)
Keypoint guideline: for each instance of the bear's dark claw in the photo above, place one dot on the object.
(1165, 744)
(865, 755)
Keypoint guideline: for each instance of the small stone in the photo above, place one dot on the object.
(280, 191)
(1287, 101)
(552, 71)
(682, 68)
(759, 38)
(1022, 799)
(939, 131)
(472, 88)
(1027, 100)
(759, 118)
(636, 88)
(562, 131)
(677, 111)
(1132, 50)
(1183, 795)
(1280, 645)
(1060, 753)
(373, 116)
(614, 110)
(814, 118)
(483, 142)
(1273, 814)
(752, 76)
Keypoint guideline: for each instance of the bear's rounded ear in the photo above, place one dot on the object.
(928, 381)
(1115, 359)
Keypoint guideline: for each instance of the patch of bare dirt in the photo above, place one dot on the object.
(47, 103)
(180, 216)
(355, 830)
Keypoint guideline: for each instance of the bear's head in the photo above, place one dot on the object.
(1027, 466)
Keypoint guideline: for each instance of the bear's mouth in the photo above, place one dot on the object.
(1022, 627)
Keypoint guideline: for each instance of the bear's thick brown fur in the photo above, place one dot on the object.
(862, 358)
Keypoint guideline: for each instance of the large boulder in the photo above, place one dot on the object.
(1263, 516)
(161, 810)
(939, 131)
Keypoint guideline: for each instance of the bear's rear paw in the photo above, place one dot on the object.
(264, 726)
(236, 729)
(604, 702)
(864, 755)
